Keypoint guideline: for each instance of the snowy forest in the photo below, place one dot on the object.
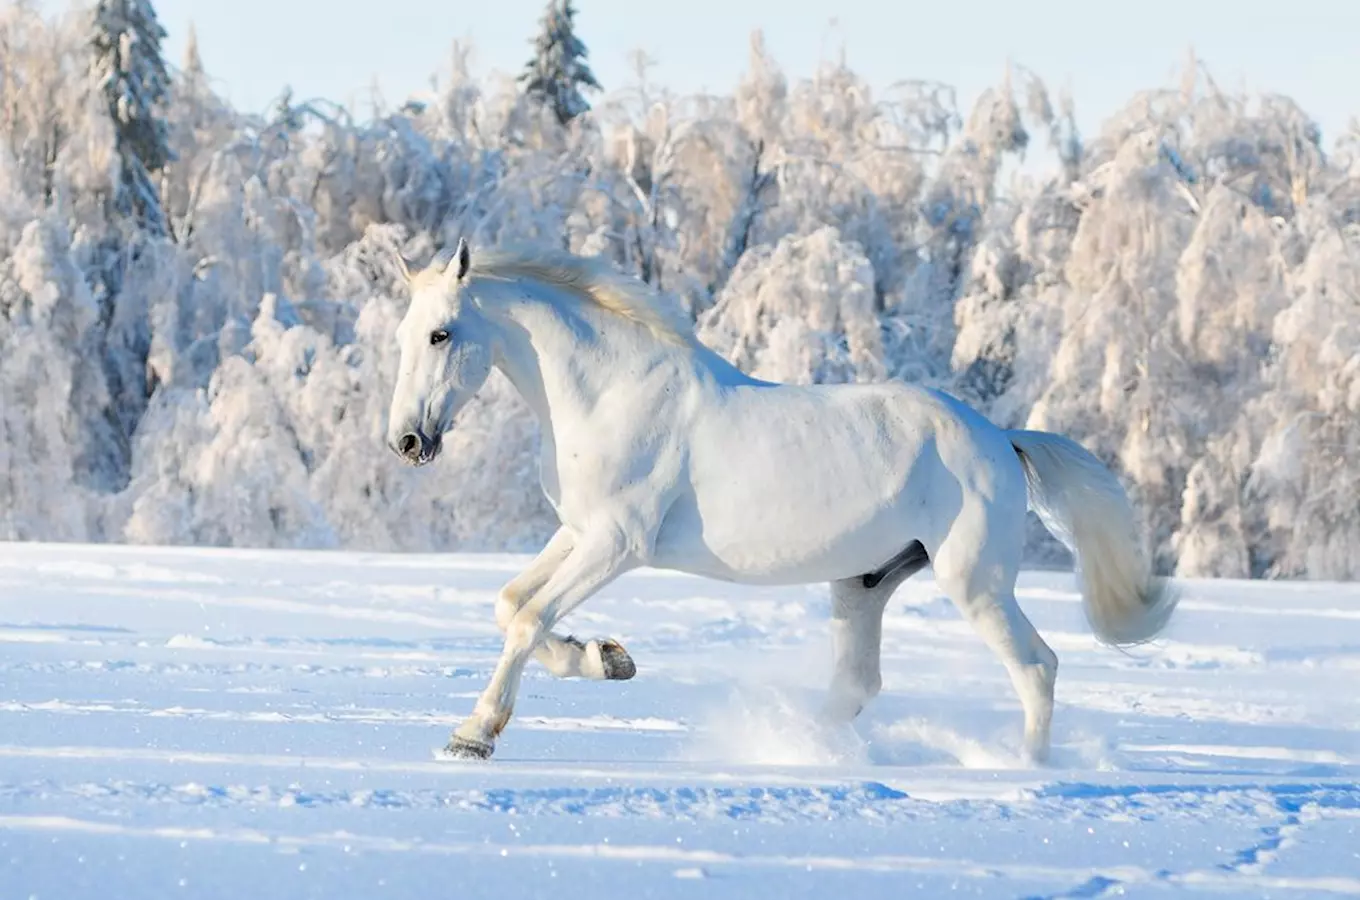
(197, 305)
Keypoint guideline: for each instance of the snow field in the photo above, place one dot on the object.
(230, 723)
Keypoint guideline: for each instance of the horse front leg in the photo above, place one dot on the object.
(594, 560)
(599, 659)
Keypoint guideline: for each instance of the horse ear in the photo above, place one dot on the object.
(404, 266)
(464, 258)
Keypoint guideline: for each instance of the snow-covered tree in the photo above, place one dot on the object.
(130, 73)
(199, 124)
(558, 72)
(802, 312)
(52, 427)
(1176, 291)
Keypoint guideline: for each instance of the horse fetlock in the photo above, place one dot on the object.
(485, 724)
(848, 697)
(1037, 749)
(840, 709)
(1039, 712)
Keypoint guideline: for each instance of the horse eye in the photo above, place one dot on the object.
(438, 337)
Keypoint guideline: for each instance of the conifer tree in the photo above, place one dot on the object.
(130, 72)
(193, 72)
(558, 72)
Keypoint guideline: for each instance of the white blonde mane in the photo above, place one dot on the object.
(591, 279)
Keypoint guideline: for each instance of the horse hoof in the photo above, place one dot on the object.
(465, 748)
(618, 665)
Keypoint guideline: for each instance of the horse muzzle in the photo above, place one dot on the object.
(416, 448)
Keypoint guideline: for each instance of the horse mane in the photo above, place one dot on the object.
(591, 279)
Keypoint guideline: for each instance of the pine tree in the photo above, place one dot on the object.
(195, 76)
(130, 72)
(558, 72)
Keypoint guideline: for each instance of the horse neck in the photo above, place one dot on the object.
(561, 353)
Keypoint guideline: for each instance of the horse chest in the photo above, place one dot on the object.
(622, 473)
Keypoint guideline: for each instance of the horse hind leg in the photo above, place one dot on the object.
(857, 632)
(976, 567)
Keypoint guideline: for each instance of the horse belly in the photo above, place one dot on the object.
(776, 508)
(757, 549)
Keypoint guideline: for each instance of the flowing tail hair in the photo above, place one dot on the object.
(1083, 505)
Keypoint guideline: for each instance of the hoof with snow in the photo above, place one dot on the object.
(460, 748)
(618, 665)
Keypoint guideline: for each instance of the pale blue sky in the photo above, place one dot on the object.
(1308, 49)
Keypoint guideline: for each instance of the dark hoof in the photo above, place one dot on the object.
(618, 665)
(462, 748)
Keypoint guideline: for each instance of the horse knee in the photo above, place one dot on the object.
(524, 631)
(507, 604)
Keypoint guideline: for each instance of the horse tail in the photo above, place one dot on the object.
(1082, 504)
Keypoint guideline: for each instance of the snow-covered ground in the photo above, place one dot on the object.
(190, 723)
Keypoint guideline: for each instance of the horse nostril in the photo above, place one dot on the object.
(408, 444)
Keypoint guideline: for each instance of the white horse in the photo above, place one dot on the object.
(657, 452)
